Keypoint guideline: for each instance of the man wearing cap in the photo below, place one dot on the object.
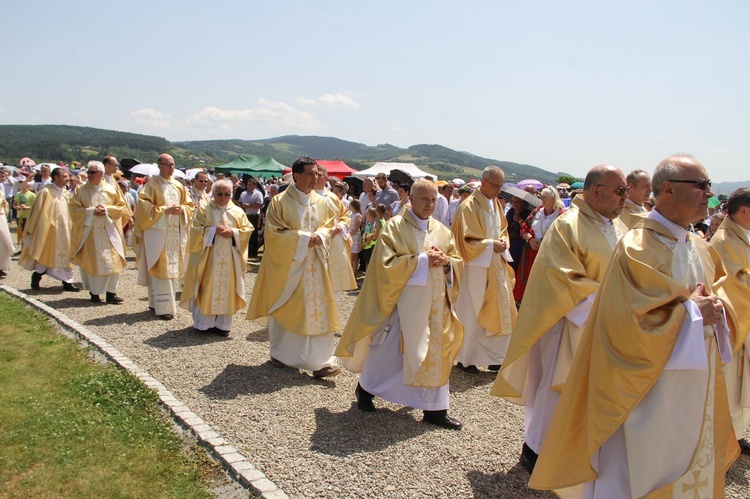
(293, 293)
(561, 290)
(46, 234)
(732, 242)
(639, 183)
(644, 411)
(485, 304)
(161, 229)
(97, 213)
(402, 334)
(251, 200)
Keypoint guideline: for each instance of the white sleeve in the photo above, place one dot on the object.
(301, 251)
(485, 258)
(581, 311)
(419, 276)
(690, 350)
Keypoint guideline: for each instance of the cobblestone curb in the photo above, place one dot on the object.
(236, 465)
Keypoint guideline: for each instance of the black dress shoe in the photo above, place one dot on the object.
(95, 298)
(165, 317)
(152, 309)
(468, 369)
(441, 419)
(70, 287)
(495, 367)
(528, 458)
(277, 363)
(219, 331)
(744, 446)
(364, 399)
(36, 278)
(113, 299)
(3, 274)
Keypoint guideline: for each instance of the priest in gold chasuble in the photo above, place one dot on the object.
(214, 287)
(639, 183)
(293, 294)
(46, 234)
(561, 289)
(732, 242)
(644, 410)
(161, 231)
(402, 335)
(485, 306)
(97, 212)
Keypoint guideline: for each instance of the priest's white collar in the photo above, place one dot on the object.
(680, 233)
(605, 220)
(423, 224)
(58, 188)
(635, 207)
(305, 198)
(489, 202)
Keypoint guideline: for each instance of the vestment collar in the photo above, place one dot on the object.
(679, 233)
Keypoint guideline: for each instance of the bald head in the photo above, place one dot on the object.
(681, 189)
(606, 190)
(423, 196)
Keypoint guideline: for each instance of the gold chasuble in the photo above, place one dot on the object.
(473, 227)
(568, 268)
(632, 213)
(97, 241)
(430, 332)
(294, 285)
(46, 234)
(340, 267)
(732, 243)
(619, 372)
(215, 277)
(161, 240)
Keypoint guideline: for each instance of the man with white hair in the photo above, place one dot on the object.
(45, 177)
(46, 234)
(485, 304)
(161, 229)
(97, 212)
(214, 287)
(402, 334)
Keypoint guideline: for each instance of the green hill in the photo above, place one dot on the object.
(53, 143)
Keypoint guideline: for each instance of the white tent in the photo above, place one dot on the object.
(386, 168)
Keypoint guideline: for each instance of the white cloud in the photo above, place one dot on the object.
(339, 100)
(265, 113)
(302, 100)
(151, 118)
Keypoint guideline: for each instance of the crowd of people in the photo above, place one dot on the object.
(620, 323)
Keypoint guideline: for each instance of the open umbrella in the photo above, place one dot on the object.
(149, 169)
(509, 192)
(530, 181)
(401, 177)
(576, 185)
(714, 202)
(562, 185)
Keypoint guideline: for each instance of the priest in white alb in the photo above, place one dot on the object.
(293, 294)
(485, 305)
(161, 231)
(561, 289)
(644, 410)
(97, 212)
(402, 335)
(46, 234)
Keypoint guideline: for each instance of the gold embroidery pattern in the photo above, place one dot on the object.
(172, 246)
(316, 318)
(62, 232)
(102, 245)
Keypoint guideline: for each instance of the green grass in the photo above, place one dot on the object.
(70, 427)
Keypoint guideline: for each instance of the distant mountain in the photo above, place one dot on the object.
(728, 187)
(71, 143)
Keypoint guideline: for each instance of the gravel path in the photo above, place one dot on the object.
(307, 435)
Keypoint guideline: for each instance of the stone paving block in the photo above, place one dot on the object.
(242, 466)
(275, 494)
(225, 449)
(216, 442)
(250, 476)
(263, 485)
(232, 458)
(208, 434)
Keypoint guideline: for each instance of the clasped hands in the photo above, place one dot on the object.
(173, 210)
(224, 231)
(315, 240)
(499, 245)
(709, 305)
(436, 258)
(100, 211)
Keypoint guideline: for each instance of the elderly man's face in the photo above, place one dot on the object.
(605, 198)
(492, 185)
(44, 171)
(691, 200)
(423, 201)
(222, 196)
(166, 166)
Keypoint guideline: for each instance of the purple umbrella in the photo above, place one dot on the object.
(530, 181)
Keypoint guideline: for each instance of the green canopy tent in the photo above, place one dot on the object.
(714, 202)
(255, 166)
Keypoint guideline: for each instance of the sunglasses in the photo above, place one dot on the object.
(92, 172)
(620, 191)
(222, 195)
(702, 184)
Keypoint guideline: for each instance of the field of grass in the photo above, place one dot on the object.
(71, 427)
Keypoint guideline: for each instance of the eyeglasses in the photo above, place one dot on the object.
(701, 183)
(620, 191)
(201, 180)
(493, 184)
(91, 172)
(164, 163)
(222, 195)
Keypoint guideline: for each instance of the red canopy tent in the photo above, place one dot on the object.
(335, 168)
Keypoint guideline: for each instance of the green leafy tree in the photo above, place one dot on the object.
(566, 179)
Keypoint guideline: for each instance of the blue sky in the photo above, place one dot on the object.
(563, 85)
